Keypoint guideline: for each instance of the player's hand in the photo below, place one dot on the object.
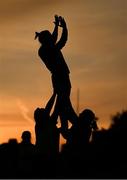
(62, 22)
(56, 22)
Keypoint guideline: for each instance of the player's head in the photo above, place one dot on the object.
(39, 113)
(87, 117)
(26, 136)
(87, 113)
(44, 37)
(41, 117)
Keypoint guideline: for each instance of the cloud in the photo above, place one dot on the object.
(24, 111)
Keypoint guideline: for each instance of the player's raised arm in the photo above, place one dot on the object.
(55, 31)
(61, 43)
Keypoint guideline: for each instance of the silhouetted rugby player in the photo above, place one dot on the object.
(46, 131)
(51, 55)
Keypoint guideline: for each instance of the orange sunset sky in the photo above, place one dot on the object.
(95, 53)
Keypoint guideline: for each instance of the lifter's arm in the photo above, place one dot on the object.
(50, 103)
